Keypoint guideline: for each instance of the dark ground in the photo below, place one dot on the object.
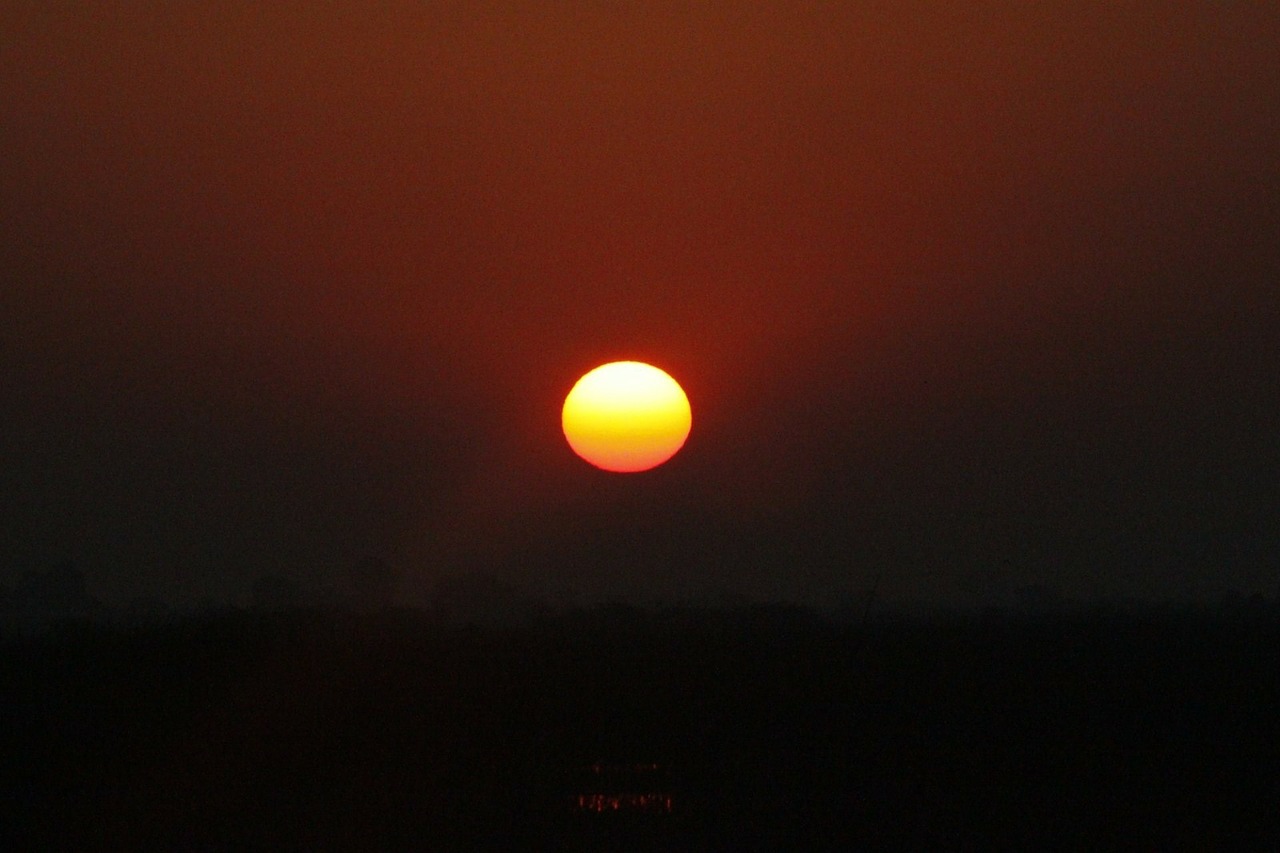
(766, 728)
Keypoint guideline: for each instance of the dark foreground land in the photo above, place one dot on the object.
(614, 729)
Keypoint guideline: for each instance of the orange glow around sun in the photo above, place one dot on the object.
(626, 416)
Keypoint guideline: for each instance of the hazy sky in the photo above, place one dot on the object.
(976, 296)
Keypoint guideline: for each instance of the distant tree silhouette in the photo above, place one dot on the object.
(480, 598)
(57, 594)
(276, 591)
(146, 609)
(372, 583)
(1038, 598)
(62, 586)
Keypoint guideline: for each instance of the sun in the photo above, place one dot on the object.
(626, 416)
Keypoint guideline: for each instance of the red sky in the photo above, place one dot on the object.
(980, 296)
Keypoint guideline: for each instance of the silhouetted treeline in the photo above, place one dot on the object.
(623, 728)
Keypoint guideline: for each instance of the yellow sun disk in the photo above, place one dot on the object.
(626, 416)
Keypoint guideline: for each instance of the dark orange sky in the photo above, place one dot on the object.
(980, 297)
